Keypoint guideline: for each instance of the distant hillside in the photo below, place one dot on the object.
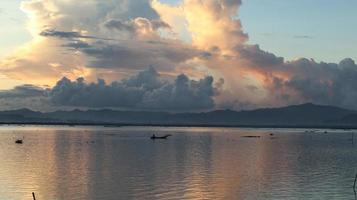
(308, 115)
(348, 119)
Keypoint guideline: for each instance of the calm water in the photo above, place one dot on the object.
(63, 163)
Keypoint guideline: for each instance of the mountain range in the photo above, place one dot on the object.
(304, 115)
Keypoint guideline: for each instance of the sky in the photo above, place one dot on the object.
(324, 30)
(13, 21)
(177, 55)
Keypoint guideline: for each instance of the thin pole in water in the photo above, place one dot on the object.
(352, 137)
(33, 195)
(354, 187)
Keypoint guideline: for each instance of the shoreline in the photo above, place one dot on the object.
(336, 127)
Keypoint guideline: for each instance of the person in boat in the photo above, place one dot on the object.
(19, 141)
(154, 137)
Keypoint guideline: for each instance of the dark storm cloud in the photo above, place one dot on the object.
(128, 54)
(326, 83)
(305, 80)
(259, 57)
(119, 25)
(144, 91)
(135, 55)
(23, 91)
(184, 94)
(68, 35)
(24, 96)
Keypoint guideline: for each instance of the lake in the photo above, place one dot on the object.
(85, 163)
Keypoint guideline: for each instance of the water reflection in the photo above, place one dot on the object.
(97, 163)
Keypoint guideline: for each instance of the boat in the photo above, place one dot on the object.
(19, 141)
(154, 137)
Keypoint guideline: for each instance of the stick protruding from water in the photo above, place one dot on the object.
(354, 184)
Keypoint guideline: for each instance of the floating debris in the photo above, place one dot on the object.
(311, 131)
(251, 136)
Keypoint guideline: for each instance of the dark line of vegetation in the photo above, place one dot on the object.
(178, 125)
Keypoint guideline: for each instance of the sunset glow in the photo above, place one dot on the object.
(113, 41)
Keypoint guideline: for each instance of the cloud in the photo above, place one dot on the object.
(24, 96)
(147, 90)
(22, 91)
(113, 40)
(260, 58)
(126, 9)
(136, 55)
(254, 77)
(106, 37)
(210, 24)
(323, 83)
(77, 44)
(62, 34)
(143, 91)
(119, 25)
(68, 35)
(301, 80)
(137, 25)
(303, 37)
(94, 41)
